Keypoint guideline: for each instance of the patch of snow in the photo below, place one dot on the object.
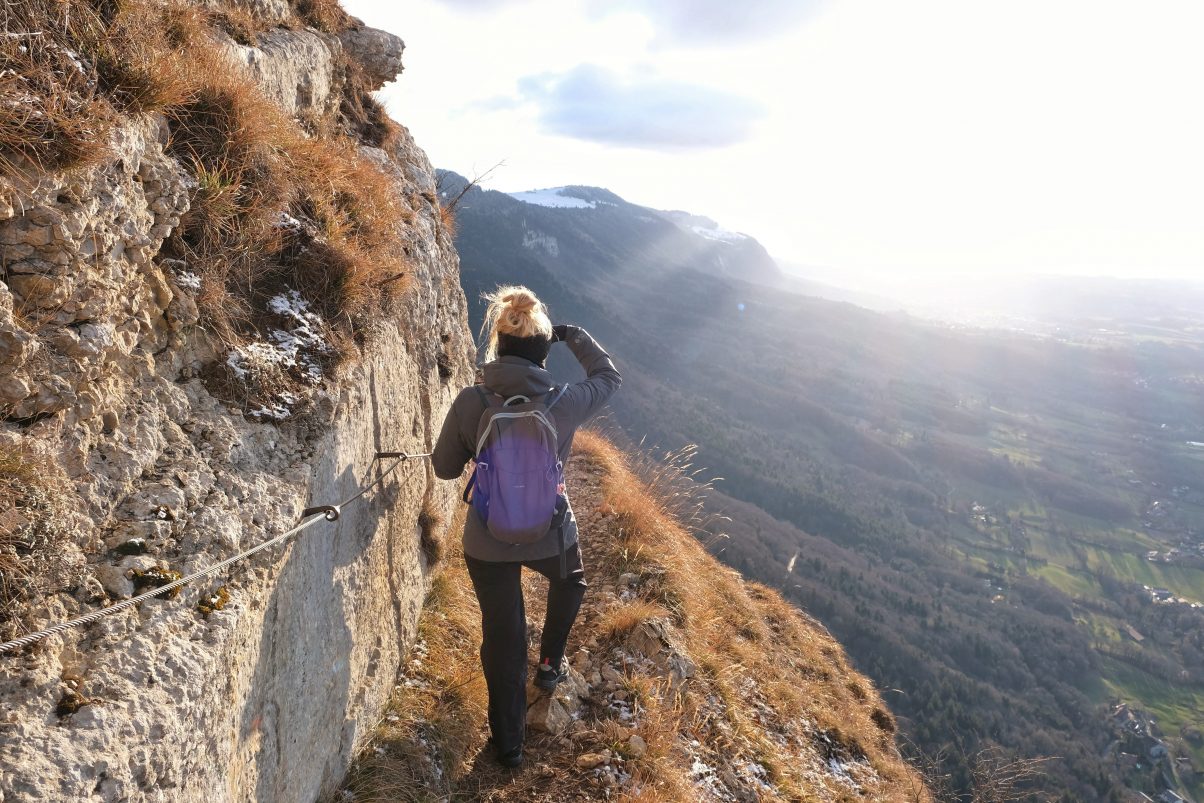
(75, 60)
(706, 778)
(756, 773)
(719, 235)
(295, 346)
(188, 280)
(535, 240)
(286, 221)
(838, 769)
(279, 411)
(553, 198)
(254, 357)
(304, 336)
(621, 709)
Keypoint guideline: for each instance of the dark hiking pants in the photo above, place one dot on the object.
(504, 633)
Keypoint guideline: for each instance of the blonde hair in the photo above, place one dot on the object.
(513, 310)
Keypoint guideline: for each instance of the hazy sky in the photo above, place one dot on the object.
(864, 135)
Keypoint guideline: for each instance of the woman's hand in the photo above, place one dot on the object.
(560, 333)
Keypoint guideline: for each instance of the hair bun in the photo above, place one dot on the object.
(514, 310)
(521, 300)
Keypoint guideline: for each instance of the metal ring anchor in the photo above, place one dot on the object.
(330, 512)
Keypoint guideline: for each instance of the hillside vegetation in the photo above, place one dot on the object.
(690, 683)
(973, 514)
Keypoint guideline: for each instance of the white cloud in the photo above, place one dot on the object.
(594, 104)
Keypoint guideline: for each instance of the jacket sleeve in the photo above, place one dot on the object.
(602, 379)
(451, 453)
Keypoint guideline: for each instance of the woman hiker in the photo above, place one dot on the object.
(520, 337)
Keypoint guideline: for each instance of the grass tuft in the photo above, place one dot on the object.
(621, 620)
(324, 15)
(51, 115)
(273, 208)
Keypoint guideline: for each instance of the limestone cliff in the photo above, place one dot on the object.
(162, 411)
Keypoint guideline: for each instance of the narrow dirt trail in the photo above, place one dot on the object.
(547, 755)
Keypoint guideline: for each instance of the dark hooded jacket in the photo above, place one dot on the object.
(511, 376)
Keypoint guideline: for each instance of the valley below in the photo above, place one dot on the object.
(1005, 529)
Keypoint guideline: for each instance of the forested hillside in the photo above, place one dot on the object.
(976, 516)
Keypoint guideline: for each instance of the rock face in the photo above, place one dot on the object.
(377, 51)
(101, 357)
(295, 68)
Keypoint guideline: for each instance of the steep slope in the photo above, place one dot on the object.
(968, 511)
(689, 683)
(223, 289)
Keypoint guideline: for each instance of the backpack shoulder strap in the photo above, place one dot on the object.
(486, 395)
(556, 398)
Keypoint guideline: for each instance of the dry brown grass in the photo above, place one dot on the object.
(35, 500)
(447, 218)
(50, 112)
(324, 15)
(621, 620)
(242, 23)
(755, 651)
(364, 117)
(253, 164)
(83, 66)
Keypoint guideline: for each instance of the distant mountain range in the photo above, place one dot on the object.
(658, 239)
(969, 512)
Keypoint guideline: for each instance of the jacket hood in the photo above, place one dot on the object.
(516, 376)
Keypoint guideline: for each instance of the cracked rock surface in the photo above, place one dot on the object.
(266, 694)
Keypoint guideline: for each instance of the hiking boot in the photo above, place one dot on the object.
(511, 758)
(546, 677)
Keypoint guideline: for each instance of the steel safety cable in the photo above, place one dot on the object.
(310, 516)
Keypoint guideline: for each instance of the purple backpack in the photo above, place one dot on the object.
(518, 481)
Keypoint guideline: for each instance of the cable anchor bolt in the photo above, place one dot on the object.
(330, 512)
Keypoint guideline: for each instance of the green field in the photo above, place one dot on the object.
(1171, 705)
(1182, 580)
(1071, 582)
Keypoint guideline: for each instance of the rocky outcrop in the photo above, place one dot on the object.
(265, 691)
(377, 52)
(297, 69)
